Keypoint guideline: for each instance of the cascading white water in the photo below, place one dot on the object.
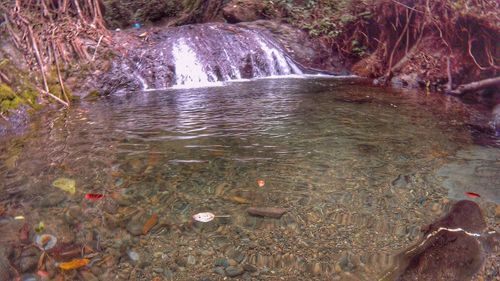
(278, 65)
(188, 69)
(207, 54)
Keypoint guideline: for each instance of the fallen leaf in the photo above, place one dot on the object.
(40, 261)
(152, 221)
(472, 195)
(40, 227)
(68, 185)
(46, 241)
(204, 217)
(261, 183)
(94, 196)
(74, 264)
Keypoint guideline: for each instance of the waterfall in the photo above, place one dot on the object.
(188, 69)
(206, 54)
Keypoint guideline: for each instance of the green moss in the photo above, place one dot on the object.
(93, 95)
(10, 100)
(6, 92)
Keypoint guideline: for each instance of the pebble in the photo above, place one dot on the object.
(347, 263)
(181, 261)
(168, 274)
(497, 211)
(27, 263)
(88, 276)
(435, 207)
(158, 269)
(207, 252)
(64, 233)
(133, 255)
(5, 270)
(233, 271)
(29, 277)
(249, 268)
(269, 212)
(52, 200)
(73, 214)
(401, 181)
(6, 250)
(191, 260)
(221, 262)
(110, 207)
(316, 270)
(134, 227)
(28, 260)
(219, 270)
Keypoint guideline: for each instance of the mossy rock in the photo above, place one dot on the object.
(93, 95)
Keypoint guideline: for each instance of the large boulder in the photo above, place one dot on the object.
(244, 10)
(452, 247)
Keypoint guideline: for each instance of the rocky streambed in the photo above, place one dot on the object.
(356, 173)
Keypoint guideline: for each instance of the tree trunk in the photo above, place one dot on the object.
(474, 86)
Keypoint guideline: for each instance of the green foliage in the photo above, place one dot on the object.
(323, 18)
(358, 49)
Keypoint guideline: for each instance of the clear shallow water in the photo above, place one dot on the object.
(360, 170)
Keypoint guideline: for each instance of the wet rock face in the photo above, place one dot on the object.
(308, 52)
(160, 58)
(195, 55)
(450, 250)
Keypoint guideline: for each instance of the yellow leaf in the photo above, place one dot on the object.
(68, 185)
(74, 264)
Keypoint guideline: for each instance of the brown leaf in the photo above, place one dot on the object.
(152, 221)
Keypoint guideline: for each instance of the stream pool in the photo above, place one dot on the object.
(359, 170)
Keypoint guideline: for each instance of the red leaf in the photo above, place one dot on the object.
(472, 194)
(94, 196)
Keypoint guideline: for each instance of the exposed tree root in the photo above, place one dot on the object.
(477, 85)
(466, 31)
(54, 34)
(4, 78)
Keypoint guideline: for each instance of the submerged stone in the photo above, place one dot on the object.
(270, 212)
(451, 249)
(233, 271)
